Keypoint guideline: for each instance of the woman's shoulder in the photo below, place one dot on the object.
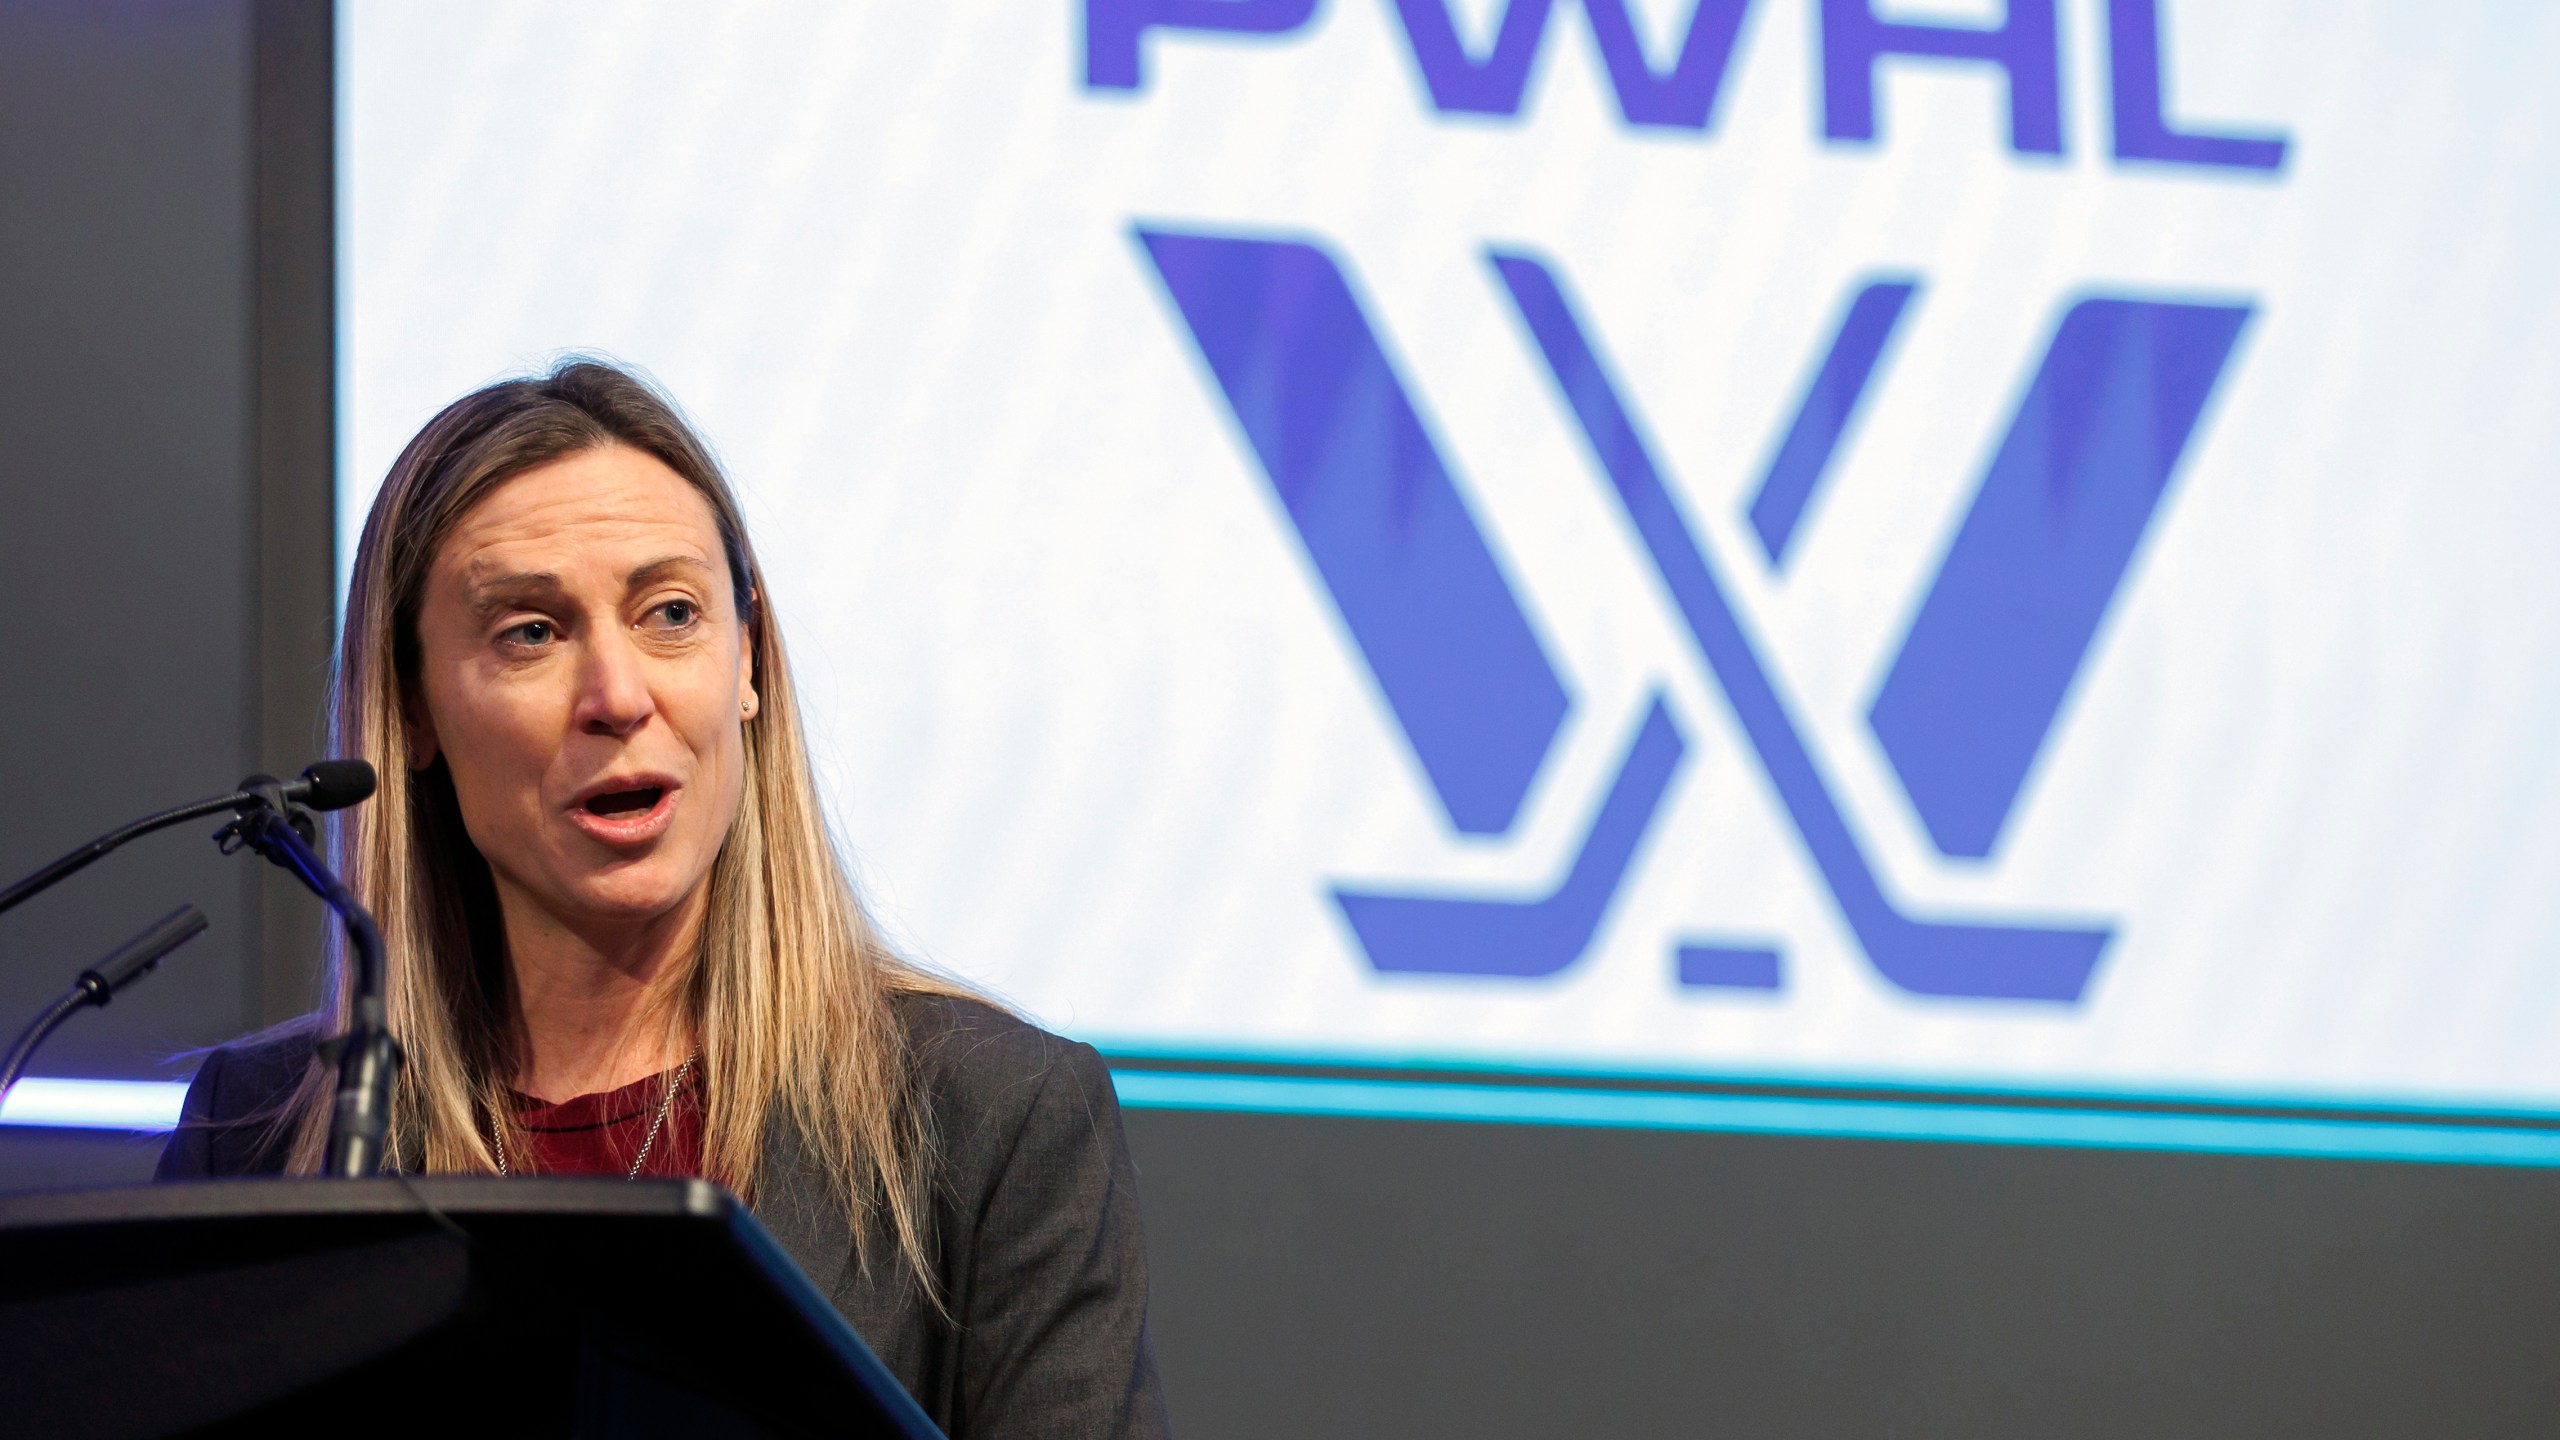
(960, 1041)
(266, 1064)
(228, 1125)
(962, 1032)
(989, 1075)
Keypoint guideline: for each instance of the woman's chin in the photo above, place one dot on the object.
(631, 896)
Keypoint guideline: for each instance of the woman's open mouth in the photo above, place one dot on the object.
(625, 802)
(626, 815)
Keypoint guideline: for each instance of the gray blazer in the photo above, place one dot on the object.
(1035, 1235)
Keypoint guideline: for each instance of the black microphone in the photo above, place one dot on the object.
(99, 983)
(137, 956)
(331, 785)
(325, 785)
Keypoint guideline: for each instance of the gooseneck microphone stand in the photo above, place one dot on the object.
(368, 1059)
(328, 785)
(99, 983)
(273, 817)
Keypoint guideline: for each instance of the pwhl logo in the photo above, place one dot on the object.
(1680, 94)
(1967, 703)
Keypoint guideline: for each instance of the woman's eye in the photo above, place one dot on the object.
(531, 632)
(679, 613)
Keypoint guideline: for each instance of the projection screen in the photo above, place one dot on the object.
(1973, 569)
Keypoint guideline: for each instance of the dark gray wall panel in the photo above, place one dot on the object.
(1341, 1277)
(126, 518)
(296, 363)
(165, 511)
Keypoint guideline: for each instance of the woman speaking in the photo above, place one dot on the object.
(620, 941)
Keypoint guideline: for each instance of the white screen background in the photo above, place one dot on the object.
(1095, 737)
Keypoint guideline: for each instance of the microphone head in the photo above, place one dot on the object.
(334, 784)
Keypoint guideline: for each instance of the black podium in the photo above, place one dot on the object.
(445, 1306)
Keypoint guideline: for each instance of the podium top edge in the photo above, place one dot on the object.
(420, 1195)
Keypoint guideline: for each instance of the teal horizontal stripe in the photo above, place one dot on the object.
(1981, 1124)
(1962, 1090)
(153, 1106)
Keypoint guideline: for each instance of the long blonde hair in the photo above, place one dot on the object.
(789, 995)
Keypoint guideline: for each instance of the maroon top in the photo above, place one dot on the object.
(602, 1134)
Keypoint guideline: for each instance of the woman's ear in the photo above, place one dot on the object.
(748, 702)
(419, 728)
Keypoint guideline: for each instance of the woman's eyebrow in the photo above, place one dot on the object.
(497, 592)
(659, 569)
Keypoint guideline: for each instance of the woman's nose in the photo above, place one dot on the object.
(613, 689)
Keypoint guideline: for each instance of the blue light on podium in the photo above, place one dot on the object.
(145, 1105)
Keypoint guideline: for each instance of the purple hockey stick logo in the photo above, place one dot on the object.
(1965, 707)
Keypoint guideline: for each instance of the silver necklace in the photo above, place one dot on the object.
(657, 1122)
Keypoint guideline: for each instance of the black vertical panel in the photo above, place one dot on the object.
(1345, 1277)
(295, 494)
(127, 528)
